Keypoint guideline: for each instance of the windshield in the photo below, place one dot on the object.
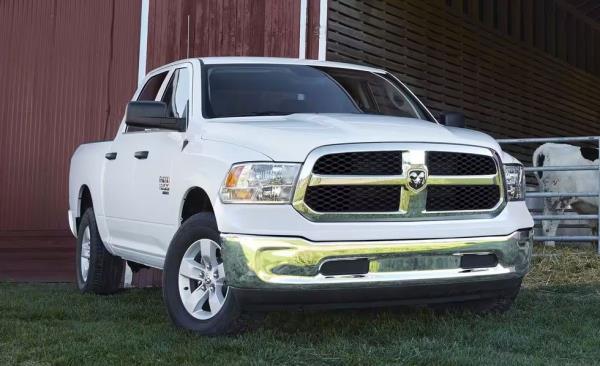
(270, 90)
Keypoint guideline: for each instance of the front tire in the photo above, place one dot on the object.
(194, 281)
(97, 270)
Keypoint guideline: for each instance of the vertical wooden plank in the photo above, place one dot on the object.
(312, 29)
(228, 34)
(189, 30)
(539, 24)
(589, 44)
(457, 5)
(216, 27)
(550, 27)
(503, 15)
(527, 22)
(473, 6)
(516, 15)
(596, 53)
(200, 44)
(254, 31)
(561, 34)
(581, 43)
(487, 9)
(571, 32)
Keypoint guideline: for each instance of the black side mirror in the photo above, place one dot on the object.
(151, 114)
(452, 119)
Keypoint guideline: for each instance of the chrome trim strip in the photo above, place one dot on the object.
(412, 204)
(399, 180)
(359, 180)
(462, 180)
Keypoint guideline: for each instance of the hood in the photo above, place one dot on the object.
(291, 138)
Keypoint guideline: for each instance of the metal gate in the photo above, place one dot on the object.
(540, 218)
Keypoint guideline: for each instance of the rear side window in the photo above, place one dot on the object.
(177, 93)
(152, 87)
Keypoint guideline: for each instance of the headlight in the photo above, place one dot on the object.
(515, 182)
(260, 183)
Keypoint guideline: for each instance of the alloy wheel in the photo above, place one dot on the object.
(202, 279)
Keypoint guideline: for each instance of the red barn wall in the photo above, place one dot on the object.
(222, 28)
(67, 69)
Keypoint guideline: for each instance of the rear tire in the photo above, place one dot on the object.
(97, 270)
(194, 287)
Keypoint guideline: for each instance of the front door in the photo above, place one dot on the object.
(129, 206)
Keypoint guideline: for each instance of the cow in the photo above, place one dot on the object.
(552, 154)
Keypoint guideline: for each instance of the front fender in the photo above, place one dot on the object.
(205, 164)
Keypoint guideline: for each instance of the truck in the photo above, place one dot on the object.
(258, 183)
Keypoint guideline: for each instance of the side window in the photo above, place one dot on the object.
(149, 92)
(152, 86)
(177, 93)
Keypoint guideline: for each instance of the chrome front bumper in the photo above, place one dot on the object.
(287, 263)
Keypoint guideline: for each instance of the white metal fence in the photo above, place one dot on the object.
(540, 218)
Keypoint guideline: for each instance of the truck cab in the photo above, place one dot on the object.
(261, 182)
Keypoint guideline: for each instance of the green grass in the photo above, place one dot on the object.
(556, 320)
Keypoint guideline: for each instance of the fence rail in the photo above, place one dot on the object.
(561, 194)
(561, 168)
(564, 217)
(592, 167)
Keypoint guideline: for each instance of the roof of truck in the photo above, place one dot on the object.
(284, 61)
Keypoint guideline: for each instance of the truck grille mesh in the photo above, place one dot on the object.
(462, 198)
(446, 163)
(360, 163)
(353, 198)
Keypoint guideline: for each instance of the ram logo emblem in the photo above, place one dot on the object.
(417, 179)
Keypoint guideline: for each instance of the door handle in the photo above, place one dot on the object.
(110, 155)
(141, 154)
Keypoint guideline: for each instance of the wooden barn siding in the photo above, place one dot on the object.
(312, 29)
(222, 28)
(505, 86)
(67, 69)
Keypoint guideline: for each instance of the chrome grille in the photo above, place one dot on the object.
(353, 198)
(446, 163)
(462, 198)
(373, 182)
(360, 163)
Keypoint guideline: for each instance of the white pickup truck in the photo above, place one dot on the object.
(260, 182)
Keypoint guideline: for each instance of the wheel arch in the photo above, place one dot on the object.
(84, 202)
(195, 200)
